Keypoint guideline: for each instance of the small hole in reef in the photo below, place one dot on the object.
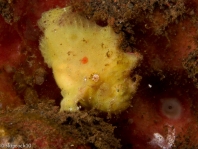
(134, 79)
(101, 23)
(171, 108)
(68, 120)
(196, 76)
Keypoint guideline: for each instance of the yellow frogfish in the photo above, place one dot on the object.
(88, 65)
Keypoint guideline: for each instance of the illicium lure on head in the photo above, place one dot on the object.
(87, 63)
